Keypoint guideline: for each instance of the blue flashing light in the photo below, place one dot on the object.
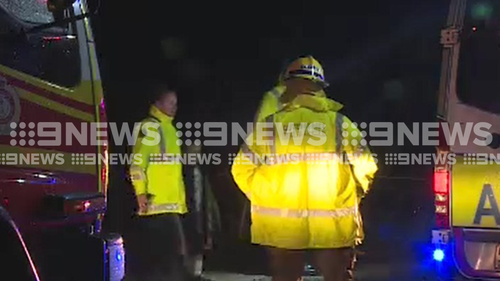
(438, 255)
(119, 256)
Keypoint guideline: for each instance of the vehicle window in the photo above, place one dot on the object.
(478, 81)
(51, 55)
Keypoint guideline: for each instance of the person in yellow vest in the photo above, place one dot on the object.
(272, 102)
(304, 194)
(159, 187)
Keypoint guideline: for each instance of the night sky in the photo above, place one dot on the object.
(223, 57)
(382, 58)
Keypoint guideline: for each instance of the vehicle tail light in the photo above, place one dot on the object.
(441, 184)
(441, 197)
(441, 178)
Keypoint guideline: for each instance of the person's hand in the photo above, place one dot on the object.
(142, 201)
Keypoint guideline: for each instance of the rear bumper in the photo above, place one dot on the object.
(471, 253)
(474, 252)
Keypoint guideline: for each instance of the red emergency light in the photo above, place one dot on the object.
(441, 198)
(441, 181)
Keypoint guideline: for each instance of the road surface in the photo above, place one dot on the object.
(368, 272)
(398, 219)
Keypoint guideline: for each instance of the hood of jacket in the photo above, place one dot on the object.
(317, 102)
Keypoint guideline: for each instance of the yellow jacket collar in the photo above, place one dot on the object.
(156, 113)
(318, 102)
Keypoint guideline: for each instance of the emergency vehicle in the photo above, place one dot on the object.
(466, 239)
(49, 74)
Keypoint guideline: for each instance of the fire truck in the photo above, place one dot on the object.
(50, 90)
(466, 238)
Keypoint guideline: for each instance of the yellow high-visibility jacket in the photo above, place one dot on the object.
(270, 103)
(303, 195)
(159, 173)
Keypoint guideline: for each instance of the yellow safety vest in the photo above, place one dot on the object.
(159, 174)
(310, 199)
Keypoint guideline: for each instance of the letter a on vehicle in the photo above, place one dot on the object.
(487, 194)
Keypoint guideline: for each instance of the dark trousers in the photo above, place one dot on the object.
(333, 264)
(154, 248)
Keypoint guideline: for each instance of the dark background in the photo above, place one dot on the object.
(223, 57)
(382, 59)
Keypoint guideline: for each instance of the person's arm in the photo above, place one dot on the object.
(244, 169)
(269, 104)
(364, 165)
(142, 150)
(247, 163)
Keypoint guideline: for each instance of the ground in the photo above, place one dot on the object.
(364, 272)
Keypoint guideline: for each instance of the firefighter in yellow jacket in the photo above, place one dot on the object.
(305, 188)
(272, 102)
(157, 178)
